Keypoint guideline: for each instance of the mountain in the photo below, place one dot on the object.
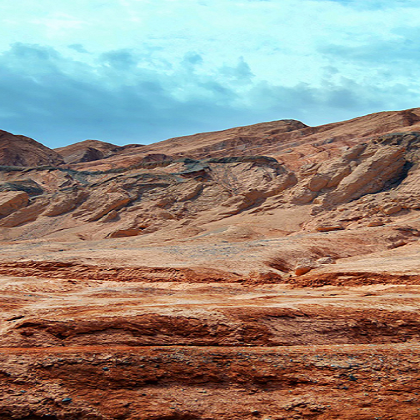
(184, 197)
(290, 142)
(186, 186)
(87, 151)
(18, 150)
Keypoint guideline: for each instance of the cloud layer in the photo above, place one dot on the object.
(142, 71)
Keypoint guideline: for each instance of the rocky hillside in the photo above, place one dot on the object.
(329, 180)
(24, 151)
(369, 183)
(87, 151)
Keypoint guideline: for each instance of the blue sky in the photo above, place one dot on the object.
(140, 71)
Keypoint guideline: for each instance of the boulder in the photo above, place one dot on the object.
(302, 269)
(302, 195)
(391, 208)
(330, 174)
(317, 182)
(375, 222)
(304, 265)
(329, 227)
(354, 152)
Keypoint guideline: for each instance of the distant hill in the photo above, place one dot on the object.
(290, 142)
(16, 150)
(87, 151)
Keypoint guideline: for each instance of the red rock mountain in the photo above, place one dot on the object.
(87, 151)
(24, 151)
(289, 141)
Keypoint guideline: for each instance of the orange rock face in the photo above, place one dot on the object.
(11, 201)
(262, 272)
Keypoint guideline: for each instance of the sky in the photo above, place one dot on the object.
(141, 71)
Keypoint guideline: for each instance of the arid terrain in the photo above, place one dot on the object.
(263, 272)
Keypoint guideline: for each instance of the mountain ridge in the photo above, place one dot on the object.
(289, 141)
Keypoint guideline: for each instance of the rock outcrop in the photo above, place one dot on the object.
(12, 201)
(371, 175)
(26, 214)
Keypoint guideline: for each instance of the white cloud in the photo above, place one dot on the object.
(237, 60)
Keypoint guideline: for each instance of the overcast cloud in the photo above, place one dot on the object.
(140, 71)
